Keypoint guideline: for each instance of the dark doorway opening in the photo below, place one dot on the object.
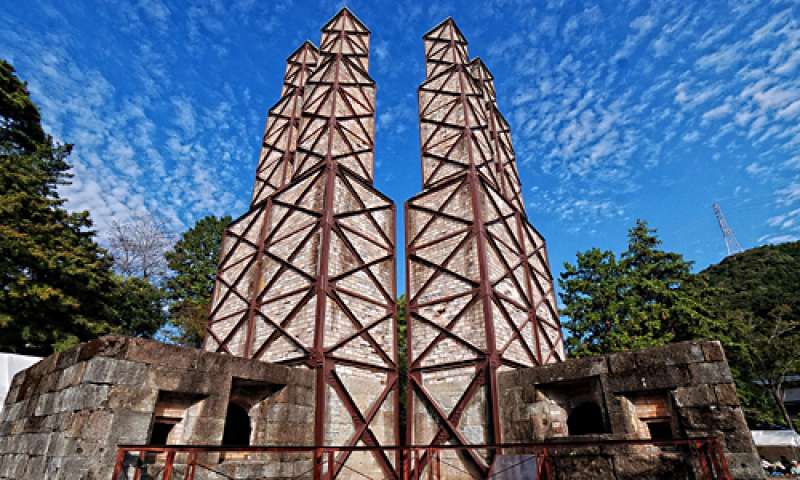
(660, 430)
(586, 418)
(161, 431)
(237, 426)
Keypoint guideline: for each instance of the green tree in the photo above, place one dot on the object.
(137, 307)
(193, 262)
(770, 355)
(53, 275)
(757, 297)
(646, 297)
(591, 297)
(402, 359)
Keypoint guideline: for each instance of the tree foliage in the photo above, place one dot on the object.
(646, 297)
(56, 284)
(759, 279)
(758, 301)
(643, 298)
(402, 359)
(193, 262)
(137, 307)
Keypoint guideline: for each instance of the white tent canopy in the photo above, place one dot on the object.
(775, 438)
(10, 365)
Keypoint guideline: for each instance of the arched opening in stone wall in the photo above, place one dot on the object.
(237, 426)
(585, 419)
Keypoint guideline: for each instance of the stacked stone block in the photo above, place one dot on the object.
(692, 378)
(481, 296)
(64, 417)
(307, 276)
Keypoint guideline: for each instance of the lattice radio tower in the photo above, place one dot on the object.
(731, 243)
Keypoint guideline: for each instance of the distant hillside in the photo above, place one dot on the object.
(762, 284)
(759, 279)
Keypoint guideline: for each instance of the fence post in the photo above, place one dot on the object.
(719, 461)
(317, 464)
(702, 453)
(547, 465)
(404, 462)
(139, 466)
(169, 465)
(119, 459)
(429, 455)
(191, 465)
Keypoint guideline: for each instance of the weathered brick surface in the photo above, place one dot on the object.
(307, 275)
(276, 161)
(481, 296)
(693, 378)
(67, 413)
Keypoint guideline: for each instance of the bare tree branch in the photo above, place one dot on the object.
(138, 247)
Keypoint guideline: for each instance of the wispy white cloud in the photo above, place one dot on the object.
(778, 238)
(724, 58)
(790, 111)
(776, 97)
(712, 36)
(641, 25)
(691, 137)
(134, 152)
(605, 102)
(789, 194)
(718, 112)
(756, 169)
(679, 79)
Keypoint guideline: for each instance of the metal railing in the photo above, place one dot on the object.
(704, 457)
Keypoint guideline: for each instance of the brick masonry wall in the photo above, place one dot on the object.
(693, 378)
(480, 291)
(64, 416)
(275, 164)
(307, 276)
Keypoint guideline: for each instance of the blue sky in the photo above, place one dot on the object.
(620, 109)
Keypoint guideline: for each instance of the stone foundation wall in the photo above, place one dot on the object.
(64, 417)
(679, 391)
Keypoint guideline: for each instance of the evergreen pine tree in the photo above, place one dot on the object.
(193, 262)
(52, 272)
(647, 297)
(57, 287)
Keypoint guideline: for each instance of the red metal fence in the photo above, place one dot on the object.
(702, 456)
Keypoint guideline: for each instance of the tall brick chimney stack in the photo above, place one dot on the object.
(480, 292)
(276, 162)
(307, 276)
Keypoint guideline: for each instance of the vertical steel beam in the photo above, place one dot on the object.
(477, 275)
(307, 276)
(276, 161)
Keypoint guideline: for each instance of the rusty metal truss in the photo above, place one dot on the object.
(307, 276)
(480, 291)
(505, 162)
(276, 161)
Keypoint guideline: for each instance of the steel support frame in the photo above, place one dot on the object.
(265, 257)
(466, 146)
(279, 142)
